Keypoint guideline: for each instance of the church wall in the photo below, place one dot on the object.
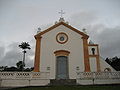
(49, 45)
(93, 65)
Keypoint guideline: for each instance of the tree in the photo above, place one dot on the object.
(20, 65)
(24, 46)
(114, 62)
(12, 68)
(2, 68)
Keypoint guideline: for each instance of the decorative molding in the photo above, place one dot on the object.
(62, 23)
(98, 59)
(57, 38)
(98, 63)
(61, 53)
(86, 55)
(93, 55)
(37, 54)
(92, 44)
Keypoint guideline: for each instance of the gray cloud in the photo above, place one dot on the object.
(106, 37)
(2, 51)
(83, 19)
(14, 54)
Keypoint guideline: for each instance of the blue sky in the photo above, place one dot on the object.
(19, 20)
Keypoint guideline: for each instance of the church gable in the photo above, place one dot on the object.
(62, 35)
(64, 24)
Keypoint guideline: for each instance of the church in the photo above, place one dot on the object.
(63, 56)
(63, 50)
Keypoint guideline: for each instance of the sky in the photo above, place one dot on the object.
(19, 20)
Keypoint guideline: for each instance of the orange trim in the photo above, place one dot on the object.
(86, 56)
(98, 64)
(62, 23)
(98, 60)
(92, 44)
(98, 50)
(61, 52)
(37, 54)
(93, 55)
(60, 41)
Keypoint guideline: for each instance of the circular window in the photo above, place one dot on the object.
(62, 38)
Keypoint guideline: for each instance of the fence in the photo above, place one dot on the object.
(13, 79)
(20, 79)
(24, 75)
(98, 75)
(86, 78)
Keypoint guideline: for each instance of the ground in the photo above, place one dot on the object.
(101, 87)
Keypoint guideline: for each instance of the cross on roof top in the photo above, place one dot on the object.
(61, 13)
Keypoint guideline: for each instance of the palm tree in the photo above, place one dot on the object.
(24, 46)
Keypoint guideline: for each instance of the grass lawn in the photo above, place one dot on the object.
(110, 87)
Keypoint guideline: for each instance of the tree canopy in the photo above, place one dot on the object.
(24, 45)
(114, 62)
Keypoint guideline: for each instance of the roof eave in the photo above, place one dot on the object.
(61, 23)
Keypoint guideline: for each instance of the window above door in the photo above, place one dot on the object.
(61, 37)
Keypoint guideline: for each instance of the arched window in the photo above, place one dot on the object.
(107, 70)
(93, 51)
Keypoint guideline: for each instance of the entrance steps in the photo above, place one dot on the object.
(63, 82)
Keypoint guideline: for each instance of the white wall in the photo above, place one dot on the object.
(93, 64)
(97, 81)
(49, 45)
(23, 82)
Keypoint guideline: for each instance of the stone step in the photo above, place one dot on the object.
(63, 82)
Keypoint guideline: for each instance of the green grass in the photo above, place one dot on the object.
(110, 87)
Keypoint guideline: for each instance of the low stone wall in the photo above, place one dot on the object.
(94, 82)
(22, 82)
(91, 78)
(18, 79)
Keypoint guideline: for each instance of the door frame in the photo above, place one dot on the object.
(62, 53)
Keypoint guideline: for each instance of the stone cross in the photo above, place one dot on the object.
(61, 13)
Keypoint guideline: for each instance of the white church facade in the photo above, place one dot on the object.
(62, 50)
(63, 55)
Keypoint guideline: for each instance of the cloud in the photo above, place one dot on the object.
(106, 36)
(14, 54)
(2, 51)
(83, 19)
(108, 39)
